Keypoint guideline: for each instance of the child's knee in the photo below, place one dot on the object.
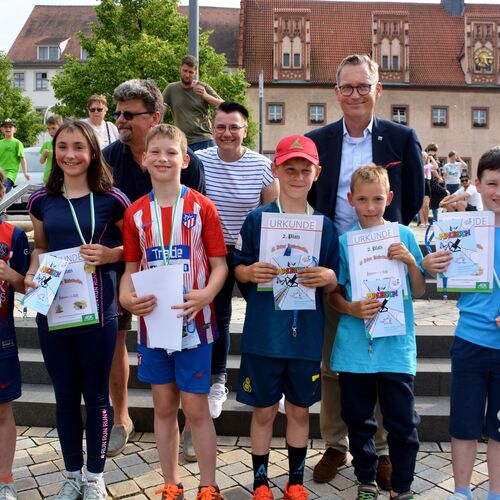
(297, 413)
(265, 416)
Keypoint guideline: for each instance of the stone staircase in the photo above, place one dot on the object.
(36, 407)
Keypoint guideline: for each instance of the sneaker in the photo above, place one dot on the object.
(263, 493)
(407, 495)
(71, 489)
(458, 496)
(216, 398)
(95, 490)
(187, 446)
(367, 492)
(171, 492)
(281, 405)
(8, 491)
(295, 492)
(119, 438)
(208, 493)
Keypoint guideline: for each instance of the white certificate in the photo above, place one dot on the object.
(166, 284)
(368, 261)
(289, 234)
(75, 303)
(476, 260)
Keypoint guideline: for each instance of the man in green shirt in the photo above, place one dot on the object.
(189, 100)
(11, 154)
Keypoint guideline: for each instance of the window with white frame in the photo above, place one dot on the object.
(41, 81)
(275, 113)
(439, 116)
(18, 80)
(316, 114)
(49, 53)
(479, 117)
(400, 114)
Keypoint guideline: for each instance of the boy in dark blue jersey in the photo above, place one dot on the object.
(14, 262)
(281, 350)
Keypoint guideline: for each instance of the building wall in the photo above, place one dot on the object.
(459, 135)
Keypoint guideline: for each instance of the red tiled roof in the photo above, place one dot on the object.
(340, 28)
(59, 23)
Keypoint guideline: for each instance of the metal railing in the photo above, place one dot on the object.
(13, 196)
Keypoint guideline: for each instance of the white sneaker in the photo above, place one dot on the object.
(281, 405)
(458, 496)
(95, 489)
(216, 398)
(8, 491)
(71, 489)
(187, 446)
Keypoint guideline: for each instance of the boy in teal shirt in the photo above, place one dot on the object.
(475, 355)
(382, 367)
(11, 154)
(53, 123)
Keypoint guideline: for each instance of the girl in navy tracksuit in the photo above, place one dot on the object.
(80, 207)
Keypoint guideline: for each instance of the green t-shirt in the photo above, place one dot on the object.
(47, 145)
(11, 152)
(190, 111)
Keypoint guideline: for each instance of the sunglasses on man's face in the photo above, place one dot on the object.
(96, 110)
(130, 115)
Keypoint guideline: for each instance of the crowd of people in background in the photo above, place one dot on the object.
(138, 194)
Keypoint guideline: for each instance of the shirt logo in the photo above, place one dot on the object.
(4, 250)
(188, 220)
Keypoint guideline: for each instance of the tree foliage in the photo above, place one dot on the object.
(14, 105)
(138, 39)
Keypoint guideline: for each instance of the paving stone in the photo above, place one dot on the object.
(234, 468)
(28, 495)
(130, 448)
(43, 468)
(232, 457)
(227, 440)
(152, 478)
(50, 489)
(23, 444)
(237, 493)
(434, 461)
(37, 431)
(22, 458)
(136, 470)
(25, 483)
(147, 437)
(54, 477)
(128, 461)
(53, 433)
(149, 456)
(428, 447)
(224, 481)
(21, 472)
(114, 476)
(20, 429)
(45, 457)
(434, 476)
(123, 489)
(320, 489)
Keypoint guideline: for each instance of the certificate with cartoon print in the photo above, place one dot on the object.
(470, 237)
(289, 234)
(368, 258)
(75, 303)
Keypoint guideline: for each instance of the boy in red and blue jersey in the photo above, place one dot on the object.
(176, 223)
(14, 262)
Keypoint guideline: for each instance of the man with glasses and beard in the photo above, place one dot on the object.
(139, 107)
(359, 138)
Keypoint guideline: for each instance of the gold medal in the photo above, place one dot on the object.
(89, 268)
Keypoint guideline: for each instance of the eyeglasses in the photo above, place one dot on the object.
(464, 181)
(96, 110)
(220, 129)
(363, 89)
(129, 115)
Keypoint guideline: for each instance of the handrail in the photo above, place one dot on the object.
(12, 196)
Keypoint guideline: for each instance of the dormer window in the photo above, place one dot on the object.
(49, 53)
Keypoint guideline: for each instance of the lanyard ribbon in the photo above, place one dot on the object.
(288, 251)
(166, 261)
(75, 218)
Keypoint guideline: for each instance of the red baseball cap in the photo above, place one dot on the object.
(296, 146)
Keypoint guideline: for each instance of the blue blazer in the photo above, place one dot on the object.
(394, 146)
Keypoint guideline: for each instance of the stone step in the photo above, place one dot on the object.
(433, 375)
(36, 407)
(432, 341)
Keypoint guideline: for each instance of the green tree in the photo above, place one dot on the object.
(14, 105)
(138, 39)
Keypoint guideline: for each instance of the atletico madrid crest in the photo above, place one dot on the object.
(188, 220)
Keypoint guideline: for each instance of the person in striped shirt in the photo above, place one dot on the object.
(238, 180)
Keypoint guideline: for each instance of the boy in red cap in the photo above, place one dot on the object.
(281, 349)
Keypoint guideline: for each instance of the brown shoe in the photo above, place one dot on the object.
(384, 471)
(326, 468)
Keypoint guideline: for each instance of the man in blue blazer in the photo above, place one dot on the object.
(357, 139)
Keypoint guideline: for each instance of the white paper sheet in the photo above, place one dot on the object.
(165, 282)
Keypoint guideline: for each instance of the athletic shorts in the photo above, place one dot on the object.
(427, 186)
(263, 380)
(475, 386)
(189, 369)
(10, 379)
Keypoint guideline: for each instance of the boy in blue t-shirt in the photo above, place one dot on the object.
(475, 355)
(14, 262)
(383, 367)
(281, 350)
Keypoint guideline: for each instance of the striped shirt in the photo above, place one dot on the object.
(235, 187)
(197, 236)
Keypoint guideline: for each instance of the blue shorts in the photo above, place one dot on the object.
(10, 379)
(189, 369)
(263, 380)
(475, 385)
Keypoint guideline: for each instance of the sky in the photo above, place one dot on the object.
(15, 13)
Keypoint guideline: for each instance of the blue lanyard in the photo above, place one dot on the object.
(288, 252)
(428, 238)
